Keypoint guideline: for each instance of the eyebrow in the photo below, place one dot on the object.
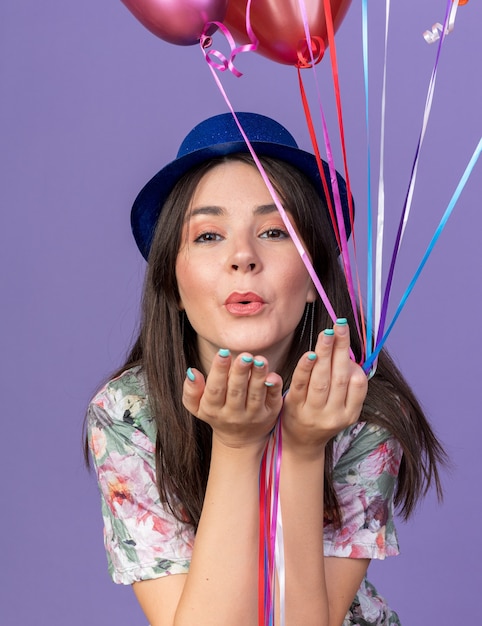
(262, 209)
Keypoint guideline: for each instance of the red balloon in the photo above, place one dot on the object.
(278, 25)
(180, 22)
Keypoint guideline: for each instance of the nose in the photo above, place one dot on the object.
(250, 267)
(244, 257)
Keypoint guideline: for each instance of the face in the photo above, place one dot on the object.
(241, 280)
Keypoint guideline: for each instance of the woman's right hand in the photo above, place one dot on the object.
(235, 399)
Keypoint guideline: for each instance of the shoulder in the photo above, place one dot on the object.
(119, 415)
(122, 399)
(124, 393)
(142, 537)
(366, 464)
(362, 440)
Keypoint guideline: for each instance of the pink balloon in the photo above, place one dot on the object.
(178, 21)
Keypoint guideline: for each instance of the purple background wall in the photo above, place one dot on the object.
(91, 104)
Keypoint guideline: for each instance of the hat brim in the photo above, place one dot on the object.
(150, 200)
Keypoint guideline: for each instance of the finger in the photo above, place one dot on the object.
(239, 376)
(264, 387)
(342, 339)
(192, 391)
(274, 392)
(217, 380)
(257, 390)
(301, 377)
(321, 376)
(341, 368)
(357, 391)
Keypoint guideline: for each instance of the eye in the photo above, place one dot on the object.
(274, 233)
(208, 237)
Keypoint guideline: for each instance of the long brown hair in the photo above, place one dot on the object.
(167, 346)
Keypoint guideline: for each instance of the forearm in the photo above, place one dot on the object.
(222, 583)
(221, 587)
(301, 492)
(326, 396)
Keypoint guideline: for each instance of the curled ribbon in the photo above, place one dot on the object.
(227, 64)
(431, 36)
(307, 58)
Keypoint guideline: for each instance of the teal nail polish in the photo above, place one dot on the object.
(329, 331)
(312, 356)
(342, 321)
(268, 384)
(247, 359)
(224, 353)
(258, 363)
(190, 374)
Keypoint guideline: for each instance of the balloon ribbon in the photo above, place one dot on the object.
(269, 524)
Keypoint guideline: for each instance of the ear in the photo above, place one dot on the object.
(180, 303)
(312, 294)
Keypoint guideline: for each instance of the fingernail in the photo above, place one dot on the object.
(329, 331)
(342, 321)
(247, 359)
(312, 356)
(190, 374)
(268, 384)
(224, 353)
(258, 363)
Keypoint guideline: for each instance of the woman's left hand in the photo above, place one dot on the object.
(326, 394)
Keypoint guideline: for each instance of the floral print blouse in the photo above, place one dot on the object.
(143, 540)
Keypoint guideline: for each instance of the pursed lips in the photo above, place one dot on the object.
(244, 303)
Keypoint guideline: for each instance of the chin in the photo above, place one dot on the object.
(261, 347)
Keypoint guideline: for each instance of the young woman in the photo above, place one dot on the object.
(233, 338)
